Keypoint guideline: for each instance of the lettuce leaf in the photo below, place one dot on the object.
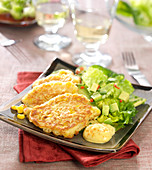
(18, 9)
(126, 86)
(93, 75)
(124, 9)
(139, 10)
(108, 72)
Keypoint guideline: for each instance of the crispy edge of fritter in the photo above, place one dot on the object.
(38, 89)
(61, 72)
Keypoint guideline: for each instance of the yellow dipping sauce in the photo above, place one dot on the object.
(98, 133)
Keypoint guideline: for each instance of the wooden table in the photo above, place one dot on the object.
(28, 57)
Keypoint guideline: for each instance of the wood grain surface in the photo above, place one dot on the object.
(25, 56)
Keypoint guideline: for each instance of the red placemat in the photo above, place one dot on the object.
(35, 149)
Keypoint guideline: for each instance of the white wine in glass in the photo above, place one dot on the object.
(51, 15)
(89, 28)
(92, 21)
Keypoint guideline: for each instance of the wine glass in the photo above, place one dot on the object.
(51, 15)
(92, 21)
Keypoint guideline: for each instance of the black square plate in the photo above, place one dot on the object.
(114, 145)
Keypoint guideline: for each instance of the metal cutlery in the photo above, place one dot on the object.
(12, 46)
(8, 42)
(133, 69)
(19, 54)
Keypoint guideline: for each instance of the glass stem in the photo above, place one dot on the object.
(91, 49)
(53, 30)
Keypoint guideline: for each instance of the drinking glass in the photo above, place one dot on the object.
(51, 15)
(92, 21)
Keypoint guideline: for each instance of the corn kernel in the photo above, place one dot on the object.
(13, 107)
(62, 72)
(19, 109)
(20, 116)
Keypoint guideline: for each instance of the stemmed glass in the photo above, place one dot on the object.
(51, 15)
(92, 21)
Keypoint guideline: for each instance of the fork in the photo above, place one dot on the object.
(18, 54)
(8, 42)
(133, 69)
(12, 46)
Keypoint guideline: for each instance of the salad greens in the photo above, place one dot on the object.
(139, 10)
(110, 92)
(18, 9)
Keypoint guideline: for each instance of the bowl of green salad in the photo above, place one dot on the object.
(17, 12)
(137, 16)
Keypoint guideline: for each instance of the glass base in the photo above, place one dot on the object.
(52, 42)
(98, 59)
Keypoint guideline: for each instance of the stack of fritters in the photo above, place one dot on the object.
(55, 105)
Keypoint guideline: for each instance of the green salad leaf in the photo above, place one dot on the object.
(110, 92)
(93, 75)
(18, 9)
(125, 85)
(139, 10)
(124, 9)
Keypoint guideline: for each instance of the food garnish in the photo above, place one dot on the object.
(20, 116)
(20, 110)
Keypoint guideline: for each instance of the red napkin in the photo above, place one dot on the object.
(35, 149)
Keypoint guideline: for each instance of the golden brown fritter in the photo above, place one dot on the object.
(61, 75)
(44, 92)
(64, 115)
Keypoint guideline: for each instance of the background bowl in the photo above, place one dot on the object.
(128, 22)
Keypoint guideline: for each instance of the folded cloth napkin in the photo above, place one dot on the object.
(35, 149)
